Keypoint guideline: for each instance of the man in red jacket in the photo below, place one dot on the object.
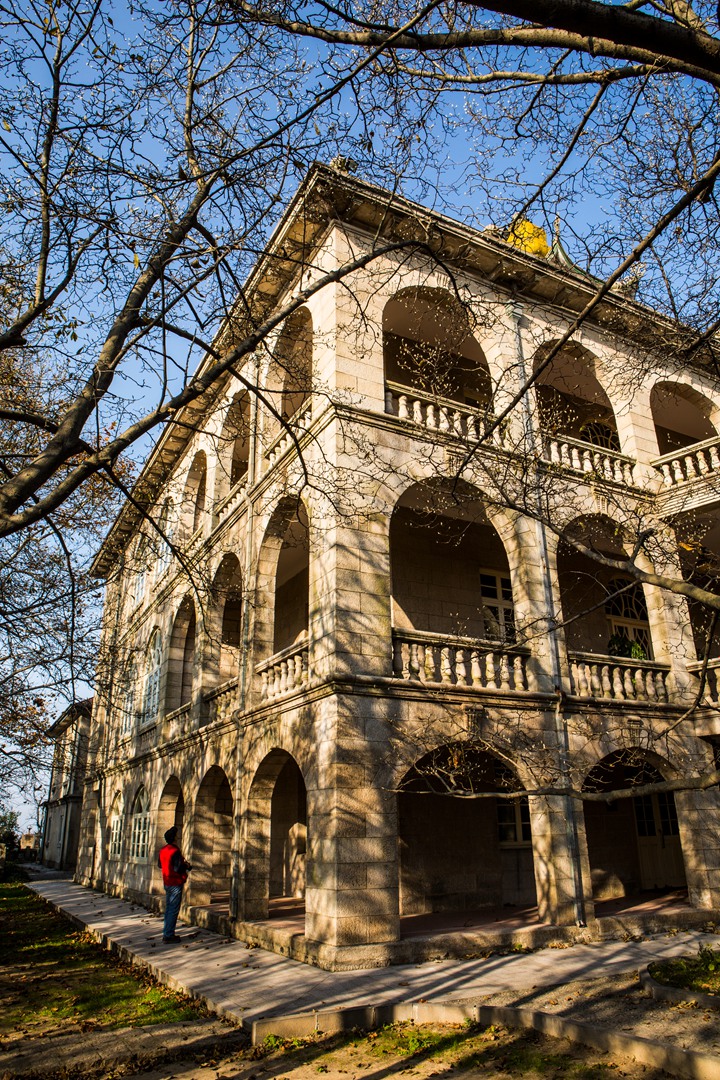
(174, 872)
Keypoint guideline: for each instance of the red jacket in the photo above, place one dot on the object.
(173, 866)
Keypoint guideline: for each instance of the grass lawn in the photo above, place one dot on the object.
(700, 973)
(52, 975)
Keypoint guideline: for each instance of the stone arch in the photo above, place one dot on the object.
(290, 373)
(233, 455)
(681, 415)
(571, 399)
(699, 546)
(170, 811)
(195, 494)
(457, 852)
(163, 539)
(181, 657)
(212, 841)
(276, 834)
(429, 346)
(633, 843)
(282, 607)
(226, 624)
(451, 579)
(604, 611)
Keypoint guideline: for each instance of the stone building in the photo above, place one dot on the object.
(379, 601)
(62, 810)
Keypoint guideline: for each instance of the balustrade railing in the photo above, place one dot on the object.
(233, 497)
(439, 414)
(177, 722)
(690, 463)
(586, 458)
(222, 700)
(711, 693)
(617, 679)
(456, 661)
(298, 423)
(284, 672)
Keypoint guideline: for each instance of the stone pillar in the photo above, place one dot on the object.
(554, 858)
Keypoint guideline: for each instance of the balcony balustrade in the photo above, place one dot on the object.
(285, 672)
(464, 662)
(585, 458)
(690, 463)
(439, 415)
(177, 722)
(613, 678)
(223, 701)
(298, 423)
(711, 692)
(224, 506)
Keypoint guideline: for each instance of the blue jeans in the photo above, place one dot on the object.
(173, 896)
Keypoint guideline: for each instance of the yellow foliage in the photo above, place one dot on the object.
(530, 238)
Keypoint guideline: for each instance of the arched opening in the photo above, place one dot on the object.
(464, 846)
(193, 506)
(293, 360)
(633, 842)
(604, 612)
(212, 840)
(681, 416)
(699, 545)
(571, 401)
(163, 539)
(451, 586)
(429, 347)
(170, 812)
(181, 659)
(227, 592)
(276, 847)
(140, 825)
(234, 447)
(292, 582)
(153, 672)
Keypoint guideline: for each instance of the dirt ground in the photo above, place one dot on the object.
(212, 1050)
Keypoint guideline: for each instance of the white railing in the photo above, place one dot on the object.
(616, 679)
(439, 414)
(224, 506)
(284, 672)
(711, 694)
(585, 458)
(222, 700)
(456, 661)
(298, 423)
(690, 463)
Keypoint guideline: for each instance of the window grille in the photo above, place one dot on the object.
(116, 836)
(497, 606)
(628, 614)
(139, 841)
(514, 821)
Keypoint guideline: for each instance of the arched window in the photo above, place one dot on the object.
(116, 827)
(629, 627)
(193, 505)
(151, 695)
(181, 658)
(139, 568)
(164, 539)
(139, 839)
(127, 707)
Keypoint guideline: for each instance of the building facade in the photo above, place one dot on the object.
(393, 659)
(63, 807)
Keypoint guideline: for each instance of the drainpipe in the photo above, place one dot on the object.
(245, 647)
(515, 310)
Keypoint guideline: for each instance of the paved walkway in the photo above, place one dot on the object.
(248, 984)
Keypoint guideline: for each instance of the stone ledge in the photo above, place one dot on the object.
(676, 993)
(674, 1060)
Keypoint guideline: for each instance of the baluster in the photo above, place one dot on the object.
(397, 658)
(389, 402)
(444, 424)
(446, 671)
(565, 458)
(714, 458)
(413, 665)
(576, 461)
(595, 683)
(276, 680)
(690, 467)
(475, 668)
(618, 689)
(430, 416)
(703, 464)
(555, 457)
(617, 469)
(301, 668)
(263, 686)
(661, 687)
(583, 684)
(628, 686)
(667, 475)
(461, 673)
(639, 684)
(284, 672)
(417, 411)
(519, 680)
(650, 691)
(606, 681)
(677, 471)
(457, 422)
(504, 672)
(574, 675)
(429, 666)
(403, 413)
(422, 656)
(490, 671)
(588, 465)
(627, 473)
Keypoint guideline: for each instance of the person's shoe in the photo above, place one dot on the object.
(171, 940)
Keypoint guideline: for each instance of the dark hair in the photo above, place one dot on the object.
(171, 834)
